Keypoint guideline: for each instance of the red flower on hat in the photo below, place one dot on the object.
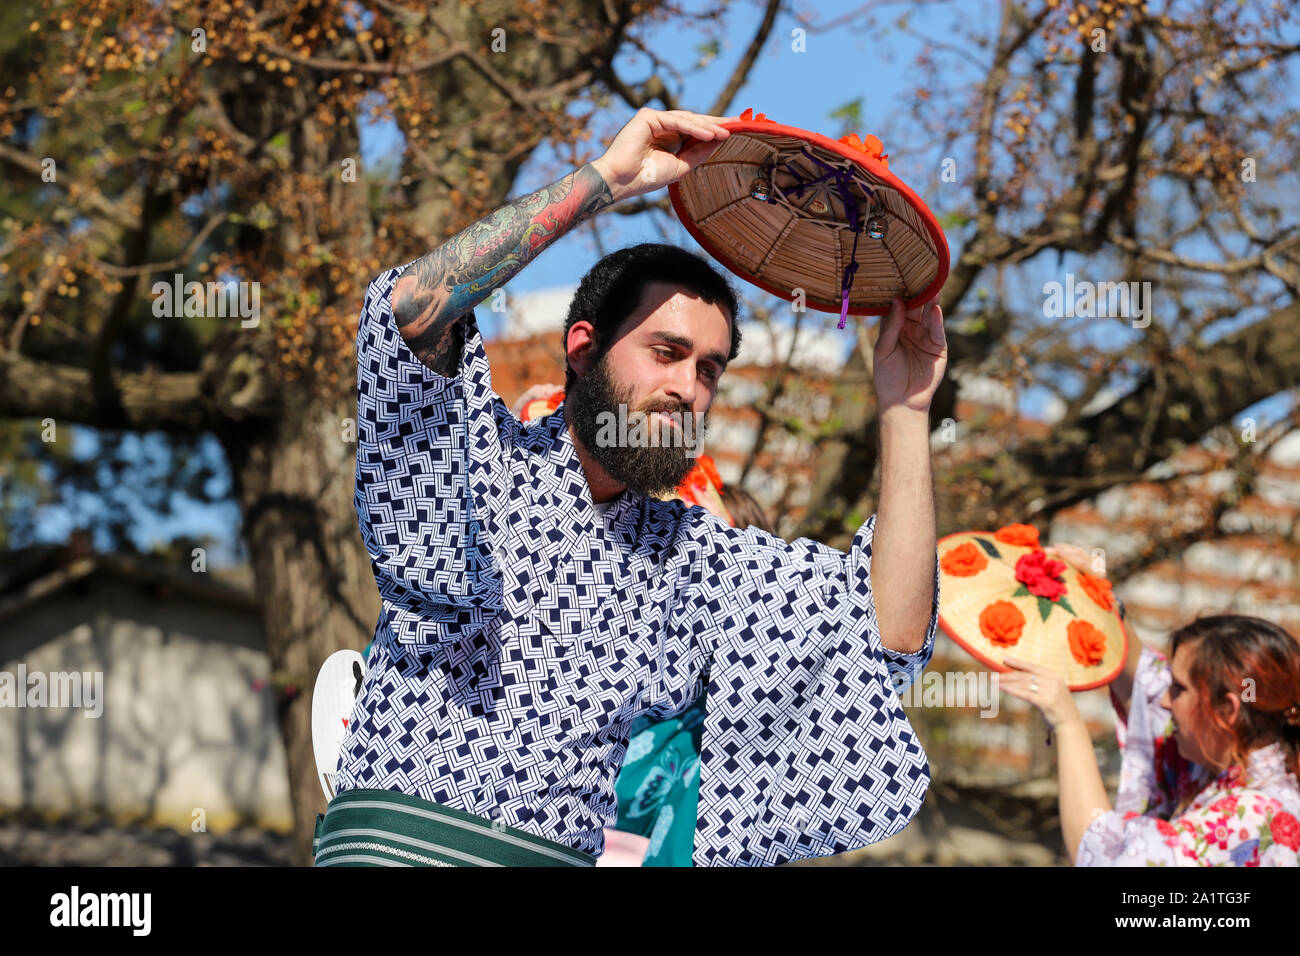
(964, 561)
(1041, 575)
(1002, 623)
(1087, 644)
(871, 145)
(1098, 589)
(1021, 535)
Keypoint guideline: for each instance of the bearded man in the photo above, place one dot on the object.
(537, 600)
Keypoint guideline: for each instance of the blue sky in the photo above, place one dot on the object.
(803, 89)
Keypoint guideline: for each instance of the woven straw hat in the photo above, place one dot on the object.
(787, 209)
(990, 603)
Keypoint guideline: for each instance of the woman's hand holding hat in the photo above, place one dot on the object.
(658, 147)
(1042, 688)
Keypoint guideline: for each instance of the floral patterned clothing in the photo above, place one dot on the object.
(1236, 819)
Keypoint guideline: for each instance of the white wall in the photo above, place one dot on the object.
(182, 727)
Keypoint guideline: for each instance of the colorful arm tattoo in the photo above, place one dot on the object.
(432, 295)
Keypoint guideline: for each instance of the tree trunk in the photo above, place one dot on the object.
(295, 479)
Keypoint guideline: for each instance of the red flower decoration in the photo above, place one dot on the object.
(1224, 805)
(963, 561)
(1285, 830)
(1098, 589)
(1020, 535)
(1087, 644)
(704, 473)
(1041, 575)
(1002, 623)
(1221, 834)
(871, 145)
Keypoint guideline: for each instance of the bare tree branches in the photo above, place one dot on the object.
(40, 390)
(740, 74)
(83, 195)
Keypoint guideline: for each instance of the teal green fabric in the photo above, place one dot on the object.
(659, 785)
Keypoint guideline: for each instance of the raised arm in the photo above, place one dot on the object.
(436, 291)
(653, 150)
(910, 356)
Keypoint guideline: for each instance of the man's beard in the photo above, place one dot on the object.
(652, 470)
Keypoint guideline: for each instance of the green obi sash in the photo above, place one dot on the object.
(385, 828)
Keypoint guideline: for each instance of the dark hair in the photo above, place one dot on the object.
(1229, 649)
(745, 509)
(612, 289)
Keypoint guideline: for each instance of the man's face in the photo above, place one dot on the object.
(666, 357)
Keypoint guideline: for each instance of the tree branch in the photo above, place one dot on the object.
(741, 73)
(78, 192)
(169, 402)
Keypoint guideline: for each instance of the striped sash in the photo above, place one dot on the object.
(386, 828)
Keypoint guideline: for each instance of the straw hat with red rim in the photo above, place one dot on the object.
(790, 210)
(1001, 595)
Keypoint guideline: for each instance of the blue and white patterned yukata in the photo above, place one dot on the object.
(521, 633)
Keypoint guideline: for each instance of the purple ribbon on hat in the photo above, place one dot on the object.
(843, 180)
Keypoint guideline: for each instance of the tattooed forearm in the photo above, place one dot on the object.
(432, 295)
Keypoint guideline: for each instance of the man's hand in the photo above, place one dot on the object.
(656, 148)
(910, 357)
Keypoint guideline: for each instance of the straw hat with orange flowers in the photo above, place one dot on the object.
(1002, 595)
(802, 215)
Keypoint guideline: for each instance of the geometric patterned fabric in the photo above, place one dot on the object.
(521, 633)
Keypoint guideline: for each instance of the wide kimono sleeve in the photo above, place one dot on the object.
(1154, 777)
(1129, 839)
(806, 750)
(1240, 827)
(431, 481)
